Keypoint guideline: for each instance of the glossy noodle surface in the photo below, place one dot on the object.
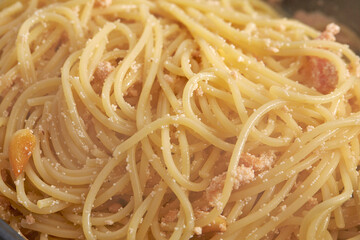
(176, 119)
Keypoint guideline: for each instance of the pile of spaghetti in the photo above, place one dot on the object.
(175, 119)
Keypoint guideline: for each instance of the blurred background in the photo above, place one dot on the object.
(318, 13)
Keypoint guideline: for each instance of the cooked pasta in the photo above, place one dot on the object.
(175, 119)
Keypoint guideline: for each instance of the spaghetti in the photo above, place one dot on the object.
(176, 119)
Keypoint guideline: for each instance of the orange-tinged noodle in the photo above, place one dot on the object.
(22, 145)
